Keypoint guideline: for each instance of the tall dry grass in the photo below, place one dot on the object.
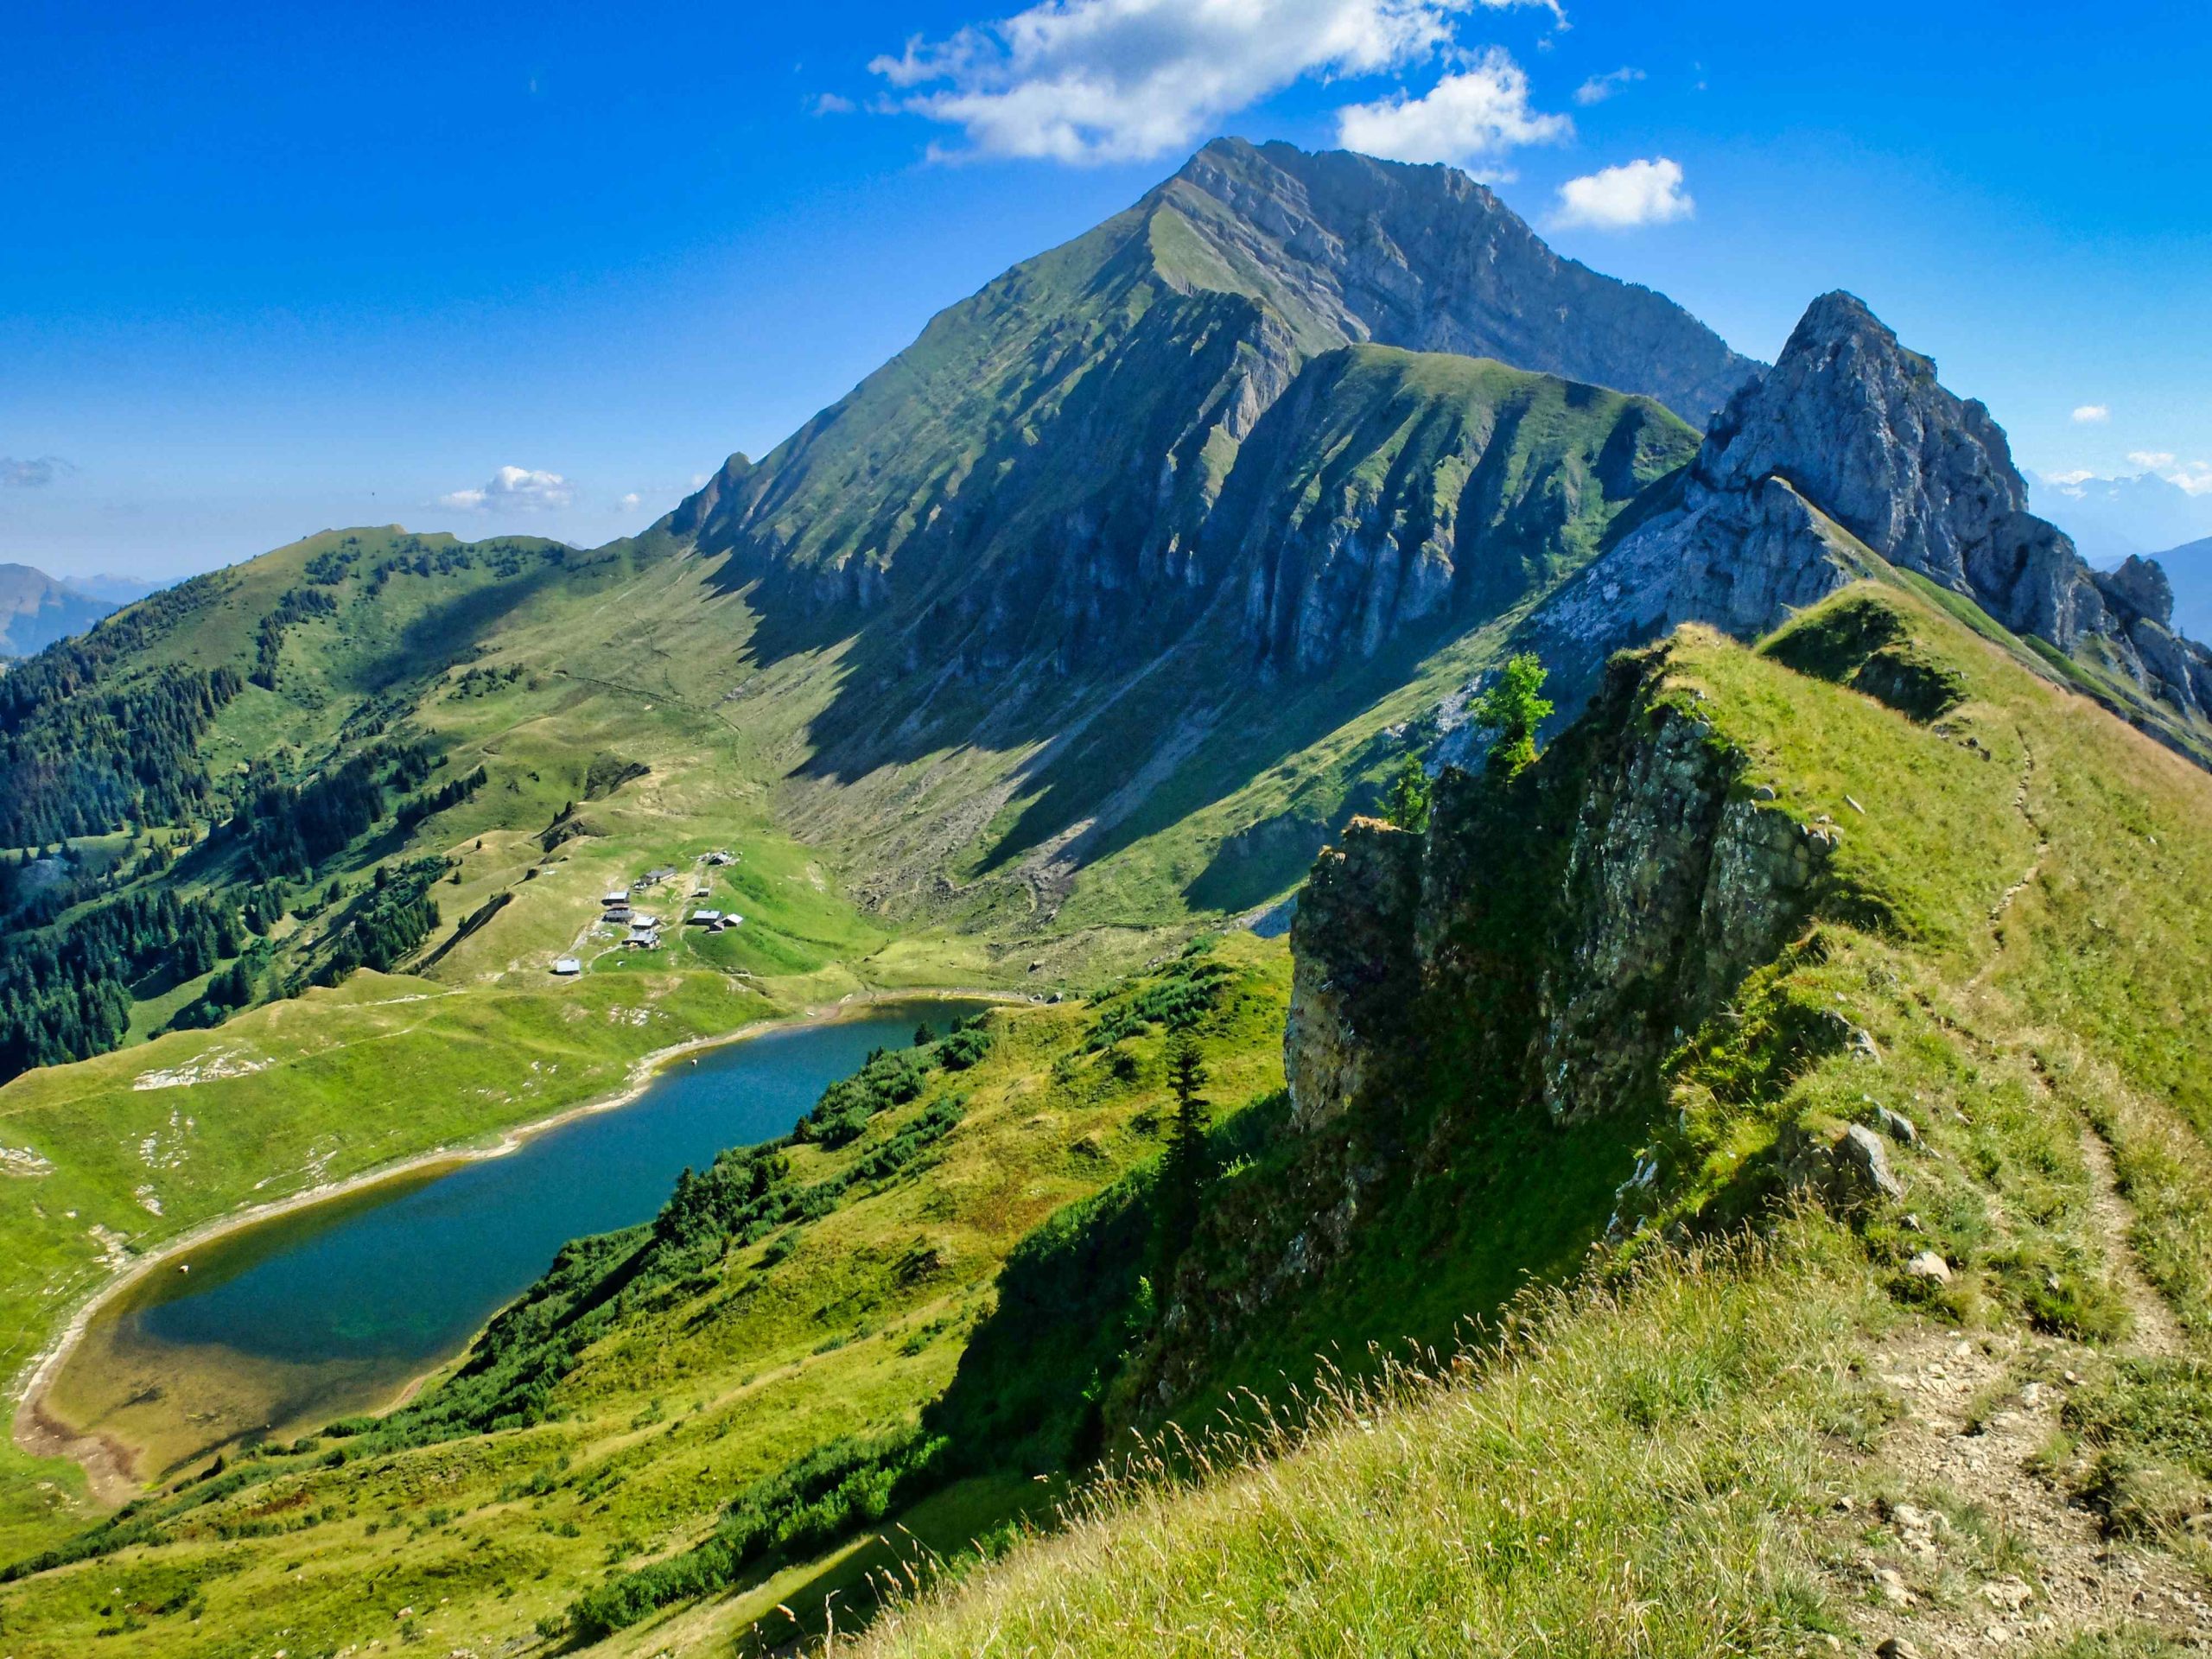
(1628, 1470)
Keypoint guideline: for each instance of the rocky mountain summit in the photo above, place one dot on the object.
(1850, 445)
(1426, 258)
(1035, 479)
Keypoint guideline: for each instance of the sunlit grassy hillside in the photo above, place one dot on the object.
(656, 1375)
(1725, 1450)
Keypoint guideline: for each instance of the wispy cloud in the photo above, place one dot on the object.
(513, 489)
(1624, 197)
(631, 502)
(2152, 461)
(2092, 415)
(1475, 114)
(1599, 88)
(33, 474)
(834, 104)
(1112, 80)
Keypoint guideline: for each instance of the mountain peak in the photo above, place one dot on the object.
(1839, 312)
(36, 609)
(1850, 444)
(1863, 427)
(1353, 249)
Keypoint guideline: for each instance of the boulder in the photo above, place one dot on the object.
(1845, 1172)
(1929, 1266)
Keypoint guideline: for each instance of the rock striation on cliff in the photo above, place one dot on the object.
(1535, 955)
(1850, 445)
(1035, 481)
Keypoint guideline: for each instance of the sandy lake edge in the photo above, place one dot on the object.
(39, 1433)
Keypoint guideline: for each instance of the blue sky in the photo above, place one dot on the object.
(264, 269)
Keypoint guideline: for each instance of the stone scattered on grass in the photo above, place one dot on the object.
(1929, 1266)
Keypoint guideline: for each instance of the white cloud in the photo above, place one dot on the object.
(631, 502)
(2092, 415)
(1599, 88)
(2152, 461)
(834, 104)
(1473, 113)
(513, 489)
(2069, 483)
(1621, 198)
(2197, 478)
(1110, 80)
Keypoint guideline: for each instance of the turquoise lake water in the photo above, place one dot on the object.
(391, 1279)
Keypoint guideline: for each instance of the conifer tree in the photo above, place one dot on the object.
(1182, 1168)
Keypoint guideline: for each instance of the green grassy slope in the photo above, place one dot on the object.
(1655, 1460)
(1658, 1461)
(139, 1147)
(673, 1376)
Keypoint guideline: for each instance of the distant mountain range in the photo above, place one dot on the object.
(116, 590)
(2189, 568)
(36, 609)
(2113, 519)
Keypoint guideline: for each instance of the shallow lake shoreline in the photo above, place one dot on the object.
(107, 1463)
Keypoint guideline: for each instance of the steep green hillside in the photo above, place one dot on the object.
(1962, 1396)
(792, 1310)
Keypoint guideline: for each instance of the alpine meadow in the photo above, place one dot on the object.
(1318, 936)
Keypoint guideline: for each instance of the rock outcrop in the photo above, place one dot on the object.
(1677, 885)
(1850, 445)
(1426, 258)
(1537, 951)
(1649, 883)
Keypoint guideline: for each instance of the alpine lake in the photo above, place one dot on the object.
(279, 1326)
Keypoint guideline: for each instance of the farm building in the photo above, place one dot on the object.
(567, 965)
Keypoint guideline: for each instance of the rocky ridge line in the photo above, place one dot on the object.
(1849, 445)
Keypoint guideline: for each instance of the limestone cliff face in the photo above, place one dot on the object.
(1669, 881)
(1426, 258)
(1536, 950)
(1677, 885)
(1862, 428)
(1355, 966)
(1388, 487)
(1849, 445)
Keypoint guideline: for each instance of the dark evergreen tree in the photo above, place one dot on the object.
(1183, 1163)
